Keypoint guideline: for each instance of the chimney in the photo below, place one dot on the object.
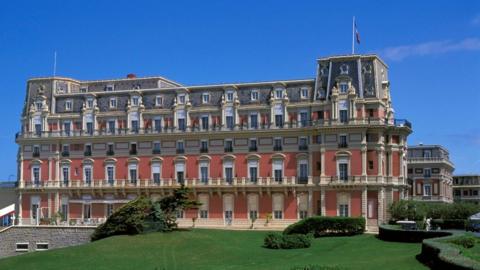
(131, 76)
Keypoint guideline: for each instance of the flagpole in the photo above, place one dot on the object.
(353, 35)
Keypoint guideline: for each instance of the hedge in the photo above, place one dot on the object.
(395, 234)
(438, 254)
(448, 224)
(328, 226)
(281, 241)
(416, 210)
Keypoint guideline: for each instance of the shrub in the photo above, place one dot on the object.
(395, 234)
(128, 219)
(466, 241)
(415, 210)
(280, 241)
(448, 224)
(321, 226)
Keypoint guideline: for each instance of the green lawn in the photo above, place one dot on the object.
(220, 249)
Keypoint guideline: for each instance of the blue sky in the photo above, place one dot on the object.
(433, 51)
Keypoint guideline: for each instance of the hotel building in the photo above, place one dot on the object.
(430, 173)
(466, 188)
(284, 149)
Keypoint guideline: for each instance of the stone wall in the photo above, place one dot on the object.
(55, 236)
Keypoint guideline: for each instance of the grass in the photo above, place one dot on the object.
(220, 249)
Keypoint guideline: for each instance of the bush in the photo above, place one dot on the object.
(322, 226)
(128, 219)
(395, 234)
(415, 210)
(448, 224)
(280, 241)
(466, 241)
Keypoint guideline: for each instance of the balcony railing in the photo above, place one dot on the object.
(156, 151)
(228, 149)
(277, 148)
(343, 145)
(203, 150)
(196, 128)
(303, 147)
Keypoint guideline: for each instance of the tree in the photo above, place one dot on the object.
(176, 202)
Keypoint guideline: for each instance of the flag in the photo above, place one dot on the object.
(357, 34)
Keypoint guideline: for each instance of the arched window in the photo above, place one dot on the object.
(343, 165)
(110, 170)
(228, 168)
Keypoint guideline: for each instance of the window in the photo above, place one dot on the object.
(427, 173)
(68, 105)
(343, 141)
(229, 120)
(109, 209)
(89, 103)
(252, 204)
(41, 246)
(303, 171)
(279, 120)
(135, 100)
(343, 170)
(320, 115)
(180, 171)
(277, 206)
(427, 190)
(87, 174)
(66, 128)
(303, 205)
(89, 125)
(229, 145)
(304, 93)
(253, 145)
(111, 126)
(38, 105)
(65, 175)
(253, 214)
(278, 170)
(109, 88)
(180, 147)
(157, 124)
(181, 120)
(36, 175)
(303, 118)
(427, 153)
(113, 103)
(277, 144)
(132, 173)
(159, 101)
(204, 146)
(83, 89)
(343, 116)
(110, 151)
(87, 211)
(65, 150)
(370, 165)
(110, 174)
(254, 95)
(254, 120)
(21, 247)
(64, 209)
(343, 210)
(229, 96)
(181, 99)
(204, 172)
(156, 167)
(179, 214)
(133, 148)
(37, 121)
(203, 213)
(156, 148)
(343, 87)
(228, 171)
(253, 170)
(303, 143)
(134, 122)
(36, 151)
(278, 93)
(205, 98)
(205, 122)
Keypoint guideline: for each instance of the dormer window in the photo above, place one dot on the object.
(343, 87)
(278, 93)
(68, 105)
(205, 98)
(109, 88)
(230, 96)
(83, 89)
(89, 103)
(181, 99)
(254, 95)
(113, 103)
(39, 105)
(135, 100)
(159, 101)
(304, 93)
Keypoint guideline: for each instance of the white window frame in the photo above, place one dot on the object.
(41, 243)
(341, 85)
(22, 249)
(112, 103)
(303, 93)
(89, 103)
(135, 100)
(226, 162)
(36, 166)
(343, 160)
(66, 166)
(279, 93)
(111, 165)
(228, 95)
(68, 105)
(425, 189)
(249, 165)
(130, 166)
(276, 160)
(154, 164)
(300, 162)
(282, 198)
(180, 97)
(254, 96)
(203, 163)
(205, 98)
(158, 101)
(250, 122)
(344, 199)
(110, 88)
(204, 200)
(85, 167)
(83, 210)
(253, 200)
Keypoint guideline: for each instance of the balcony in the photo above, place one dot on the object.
(87, 153)
(110, 152)
(36, 154)
(303, 147)
(180, 151)
(203, 150)
(156, 151)
(343, 145)
(252, 149)
(133, 152)
(65, 153)
(277, 148)
(228, 149)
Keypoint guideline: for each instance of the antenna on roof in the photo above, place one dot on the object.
(54, 63)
